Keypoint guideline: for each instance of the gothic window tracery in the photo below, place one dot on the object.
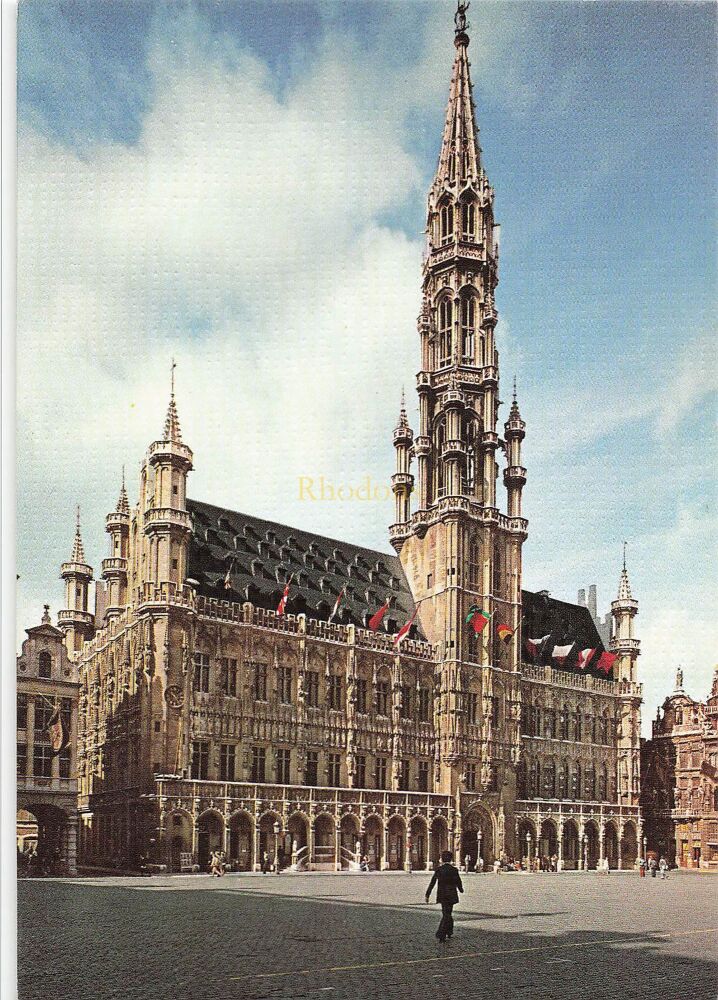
(446, 222)
(468, 328)
(446, 318)
(472, 437)
(468, 220)
(439, 439)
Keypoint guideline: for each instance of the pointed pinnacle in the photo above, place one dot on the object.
(172, 424)
(123, 504)
(78, 551)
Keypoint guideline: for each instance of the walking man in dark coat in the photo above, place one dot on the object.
(448, 881)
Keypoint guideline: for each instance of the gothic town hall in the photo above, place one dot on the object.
(214, 714)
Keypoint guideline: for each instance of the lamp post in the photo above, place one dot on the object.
(645, 848)
(584, 852)
(528, 849)
(479, 836)
(277, 828)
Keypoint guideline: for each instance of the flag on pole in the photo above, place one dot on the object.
(478, 619)
(405, 627)
(561, 653)
(228, 578)
(505, 633)
(605, 662)
(584, 657)
(535, 646)
(336, 604)
(56, 732)
(376, 619)
(283, 602)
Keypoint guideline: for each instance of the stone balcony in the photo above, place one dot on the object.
(76, 569)
(114, 566)
(75, 617)
(170, 450)
(167, 517)
(116, 519)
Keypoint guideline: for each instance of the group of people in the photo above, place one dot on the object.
(652, 867)
(33, 861)
(217, 864)
(506, 863)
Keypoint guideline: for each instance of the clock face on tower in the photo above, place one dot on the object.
(174, 696)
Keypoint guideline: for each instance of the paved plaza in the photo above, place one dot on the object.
(288, 937)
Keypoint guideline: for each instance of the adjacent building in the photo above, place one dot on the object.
(47, 679)
(679, 794)
(209, 720)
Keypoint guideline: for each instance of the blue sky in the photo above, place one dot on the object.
(243, 186)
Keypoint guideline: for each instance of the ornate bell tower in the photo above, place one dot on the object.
(457, 549)
(623, 610)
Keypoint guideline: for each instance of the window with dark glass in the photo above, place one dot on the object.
(227, 758)
(229, 676)
(22, 711)
(311, 772)
(259, 764)
(381, 772)
(201, 672)
(283, 765)
(382, 697)
(312, 687)
(404, 776)
(66, 716)
(361, 689)
(472, 707)
(200, 760)
(285, 685)
(564, 723)
(333, 766)
(423, 778)
(423, 708)
(22, 760)
(360, 776)
(259, 682)
(42, 760)
(335, 692)
(446, 222)
(471, 777)
(44, 665)
(44, 710)
(446, 318)
(468, 326)
(577, 727)
(64, 762)
(495, 709)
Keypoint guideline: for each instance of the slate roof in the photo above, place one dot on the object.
(261, 555)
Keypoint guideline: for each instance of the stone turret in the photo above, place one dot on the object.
(75, 619)
(114, 569)
(624, 609)
(402, 482)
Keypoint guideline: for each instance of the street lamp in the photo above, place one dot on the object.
(277, 828)
(528, 849)
(585, 851)
(645, 848)
(479, 836)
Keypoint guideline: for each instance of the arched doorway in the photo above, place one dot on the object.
(477, 822)
(349, 830)
(270, 839)
(610, 845)
(570, 846)
(439, 839)
(417, 838)
(395, 835)
(548, 840)
(297, 837)
(629, 847)
(240, 842)
(373, 836)
(526, 845)
(210, 827)
(27, 830)
(592, 845)
(179, 832)
(324, 841)
(45, 834)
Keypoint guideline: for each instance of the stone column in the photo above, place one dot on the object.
(581, 846)
(601, 845)
(429, 846)
(70, 845)
(257, 852)
(337, 846)
(620, 839)
(407, 851)
(385, 853)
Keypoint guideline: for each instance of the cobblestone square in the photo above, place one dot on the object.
(289, 937)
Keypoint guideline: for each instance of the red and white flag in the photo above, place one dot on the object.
(228, 579)
(584, 657)
(606, 661)
(376, 619)
(336, 604)
(561, 653)
(283, 602)
(56, 732)
(534, 645)
(404, 630)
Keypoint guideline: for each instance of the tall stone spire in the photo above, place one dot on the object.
(173, 431)
(460, 154)
(78, 551)
(123, 504)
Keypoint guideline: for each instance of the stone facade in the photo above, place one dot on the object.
(207, 720)
(679, 794)
(46, 782)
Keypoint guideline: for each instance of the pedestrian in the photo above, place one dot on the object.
(479, 864)
(265, 863)
(364, 864)
(663, 866)
(554, 863)
(652, 867)
(642, 868)
(467, 862)
(447, 880)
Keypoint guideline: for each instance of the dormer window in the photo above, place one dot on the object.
(44, 665)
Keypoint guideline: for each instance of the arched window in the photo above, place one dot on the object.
(577, 729)
(468, 220)
(468, 329)
(563, 782)
(564, 722)
(439, 439)
(44, 664)
(577, 782)
(446, 318)
(472, 454)
(603, 784)
(538, 791)
(590, 783)
(446, 217)
(521, 790)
